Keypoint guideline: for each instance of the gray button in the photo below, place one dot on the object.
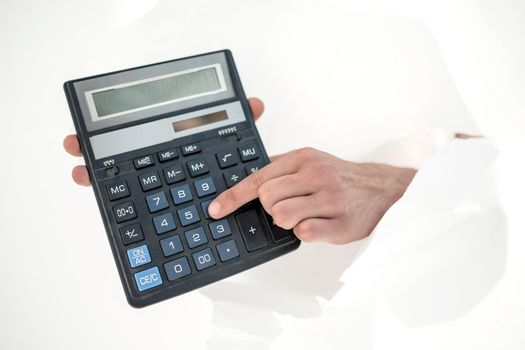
(227, 158)
(174, 174)
(249, 152)
(220, 228)
(205, 187)
(164, 223)
(196, 237)
(157, 201)
(117, 190)
(203, 259)
(177, 268)
(227, 250)
(205, 206)
(124, 212)
(181, 194)
(150, 181)
(171, 245)
(188, 215)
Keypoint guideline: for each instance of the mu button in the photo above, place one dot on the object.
(252, 230)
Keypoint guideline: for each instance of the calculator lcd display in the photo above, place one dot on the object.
(147, 94)
(199, 121)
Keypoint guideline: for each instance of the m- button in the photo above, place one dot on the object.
(117, 190)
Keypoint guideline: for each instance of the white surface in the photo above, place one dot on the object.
(364, 80)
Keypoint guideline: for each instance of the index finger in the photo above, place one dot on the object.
(246, 190)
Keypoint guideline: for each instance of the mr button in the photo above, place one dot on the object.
(252, 230)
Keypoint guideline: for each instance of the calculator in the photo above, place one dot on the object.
(160, 142)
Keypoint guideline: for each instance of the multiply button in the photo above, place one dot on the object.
(143, 162)
(124, 212)
(227, 158)
(252, 230)
(131, 234)
(198, 167)
(138, 256)
(248, 152)
(148, 279)
(150, 181)
(117, 190)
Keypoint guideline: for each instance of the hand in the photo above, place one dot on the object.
(80, 174)
(319, 196)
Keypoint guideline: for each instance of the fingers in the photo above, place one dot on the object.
(247, 190)
(257, 107)
(290, 212)
(281, 188)
(80, 175)
(72, 146)
(317, 229)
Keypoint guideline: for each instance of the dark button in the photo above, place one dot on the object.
(196, 237)
(181, 194)
(177, 268)
(279, 233)
(227, 250)
(227, 158)
(220, 228)
(150, 181)
(203, 259)
(124, 212)
(191, 149)
(117, 190)
(232, 176)
(157, 201)
(248, 152)
(131, 233)
(253, 167)
(205, 206)
(143, 162)
(204, 187)
(171, 245)
(174, 174)
(252, 230)
(112, 171)
(166, 155)
(188, 215)
(197, 167)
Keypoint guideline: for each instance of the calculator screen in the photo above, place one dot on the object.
(134, 96)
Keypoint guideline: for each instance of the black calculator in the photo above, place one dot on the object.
(160, 142)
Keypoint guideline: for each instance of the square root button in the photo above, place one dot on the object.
(148, 279)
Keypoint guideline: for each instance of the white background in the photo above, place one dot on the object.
(367, 80)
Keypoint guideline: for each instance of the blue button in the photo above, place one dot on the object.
(205, 187)
(196, 237)
(171, 245)
(181, 194)
(177, 268)
(227, 250)
(157, 201)
(138, 256)
(148, 279)
(188, 215)
(220, 229)
(203, 259)
(205, 206)
(164, 223)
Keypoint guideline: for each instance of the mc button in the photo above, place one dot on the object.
(117, 190)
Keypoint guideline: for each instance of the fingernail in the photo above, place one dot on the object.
(214, 208)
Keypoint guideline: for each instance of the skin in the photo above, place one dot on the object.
(319, 196)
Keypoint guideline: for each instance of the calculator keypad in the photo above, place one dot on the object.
(179, 203)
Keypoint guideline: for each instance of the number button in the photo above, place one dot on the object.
(248, 152)
(148, 279)
(124, 212)
(220, 229)
(227, 158)
(138, 256)
(205, 187)
(164, 223)
(232, 177)
(197, 167)
(149, 181)
(157, 201)
(227, 250)
(177, 268)
(205, 206)
(143, 162)
(181, 194)
(117, 190)
(203, 259)
(196, 237)
(174, 174)
(188, 215)
(171, 245)
(131, 234)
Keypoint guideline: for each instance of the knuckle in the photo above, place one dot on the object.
(264, 194)
(304, 231)
(307, 154)
(256, 179)
(279, 215)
